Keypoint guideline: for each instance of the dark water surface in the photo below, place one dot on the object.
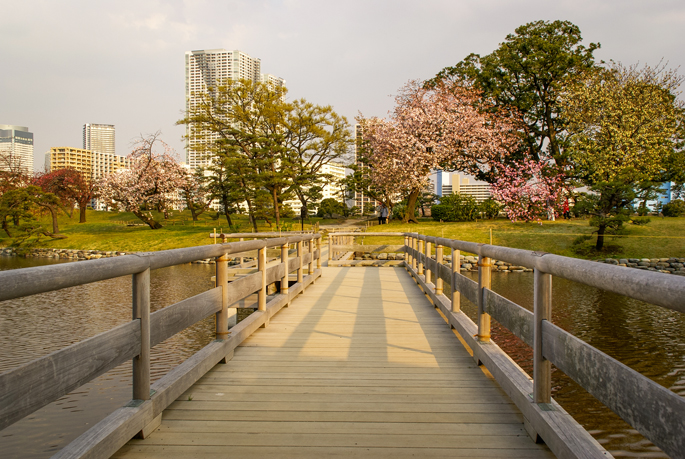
(647, 338)
(35, 326)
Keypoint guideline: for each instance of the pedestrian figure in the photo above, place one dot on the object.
(380, 213)
(384, 214)
(567, 210)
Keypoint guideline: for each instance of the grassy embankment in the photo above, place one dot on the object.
(662, 237)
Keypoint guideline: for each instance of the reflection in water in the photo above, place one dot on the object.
(649, 339)
(35, 326)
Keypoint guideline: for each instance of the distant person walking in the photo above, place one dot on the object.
(567, 210)
(384, 215)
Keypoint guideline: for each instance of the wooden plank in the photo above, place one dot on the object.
(515, 318)
(175, 318)
(656, 412)
(29, 387)
(366, 263)
(369, 248)
(139, 450)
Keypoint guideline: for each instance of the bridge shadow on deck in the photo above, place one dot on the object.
(360, 365)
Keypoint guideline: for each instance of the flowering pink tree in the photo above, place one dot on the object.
(529, 190)
(151, 183)
(436, 128)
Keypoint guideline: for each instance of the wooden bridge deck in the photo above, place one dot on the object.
(361, 365)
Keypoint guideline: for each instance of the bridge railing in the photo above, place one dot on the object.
(33, 385)
(650, 408)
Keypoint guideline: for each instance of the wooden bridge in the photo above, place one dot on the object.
(364, 362)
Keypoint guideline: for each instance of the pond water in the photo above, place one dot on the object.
(647, 338)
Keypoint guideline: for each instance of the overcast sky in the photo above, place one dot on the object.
(66, 63)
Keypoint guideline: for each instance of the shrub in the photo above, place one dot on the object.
(455, 208)
(675, 208)
(640, 220)
(490, 208)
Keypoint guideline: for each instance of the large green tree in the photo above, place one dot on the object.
(625, 134)
(528, 73)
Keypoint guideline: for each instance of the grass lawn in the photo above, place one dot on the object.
(662, 237)
(109, 231)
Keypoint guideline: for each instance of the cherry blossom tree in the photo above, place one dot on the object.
(444, 127)
(529, 189)
(151, 183)
(71, 187)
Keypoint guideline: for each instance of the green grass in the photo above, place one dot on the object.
(105, 231)
(662, 237)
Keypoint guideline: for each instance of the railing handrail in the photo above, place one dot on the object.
(653, 410)
(30, 281)
(34, 384)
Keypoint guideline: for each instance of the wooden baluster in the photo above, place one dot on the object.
(330, 248)
(300, 270)
(484, 271)
(141, 311)
(438, 264)
(456, 296)
(222, 281)
(318, 247)
(542, 368)
(284, 261)
(428, 273)
(310, 271)
(406, 249)
(241, 258)
(414, 246)
(418, 255)
(261, 295)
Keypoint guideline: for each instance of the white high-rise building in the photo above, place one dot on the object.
(331, 189)
(98, 138)
(16, 148)
(206, 68)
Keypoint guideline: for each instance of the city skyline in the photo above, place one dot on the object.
(353, 58)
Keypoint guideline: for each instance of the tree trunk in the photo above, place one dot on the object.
(600, 237)
(228, 216)
(250, 214)
(55, 225)
(411, 207)
(6, 227)
(82, 214)
(149, 221)
(277, 214)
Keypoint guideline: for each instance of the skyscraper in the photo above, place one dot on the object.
(206, 68)
(16, 148)
(98, 138)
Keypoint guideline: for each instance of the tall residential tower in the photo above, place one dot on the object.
(16, 149)
(98, 138)
(206, 68)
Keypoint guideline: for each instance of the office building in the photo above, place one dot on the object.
(205, 69)
(331, 189)
(446, 183)
(78, 159)
(16, 149)
(99, 138)
(362, 201)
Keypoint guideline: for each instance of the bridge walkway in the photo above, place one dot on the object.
(361, 365)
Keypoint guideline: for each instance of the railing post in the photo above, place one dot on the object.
(542, 368)
(410, 253)
(427, 269)
(310, 271)
(300, 270)
(284, 261)
(222, 281)
(414, 246)
(438, 263)
(406, 249)
(418, 255)
(141, 311)
(261, 295)
(241, 258)
(330, 248)
(484, 267)
(318, 247)
(456, 296)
